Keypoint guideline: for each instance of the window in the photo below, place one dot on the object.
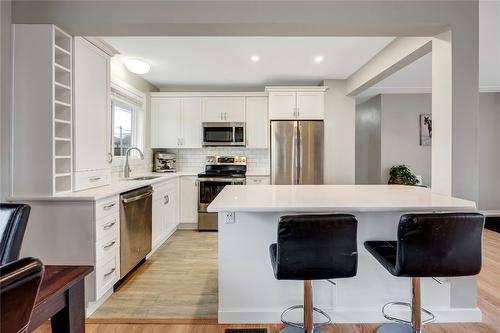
(123, 129)
(127, 120)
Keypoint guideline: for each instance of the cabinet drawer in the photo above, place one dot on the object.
(89, 179)
(107, 273)
(107, 247)
(106, 207)
(257, 180)
(107, 226)
(162, 188)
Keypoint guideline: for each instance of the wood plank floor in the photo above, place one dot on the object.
(488, 302)
(178, 281)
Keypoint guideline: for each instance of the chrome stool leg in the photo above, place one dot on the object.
(405, 326)
(307, 326)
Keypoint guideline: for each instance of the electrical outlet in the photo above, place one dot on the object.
(229, 217)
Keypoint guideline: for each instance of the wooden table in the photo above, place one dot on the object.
(62, 299)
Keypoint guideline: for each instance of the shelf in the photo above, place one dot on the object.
(62, 139)
(60, 85)
(58, 48)
(62, 103)
(62, 156)
(63, 174)
(62, 121)
(61, 68)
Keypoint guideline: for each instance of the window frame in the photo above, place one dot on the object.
(138, 119)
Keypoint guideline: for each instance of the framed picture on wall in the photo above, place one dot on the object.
(425, 129)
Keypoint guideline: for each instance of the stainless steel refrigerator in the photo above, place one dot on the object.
(297, 152)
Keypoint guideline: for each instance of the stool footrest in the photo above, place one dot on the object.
(301, 325)
(402, 321)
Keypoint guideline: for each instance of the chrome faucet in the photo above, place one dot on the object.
(126, 167)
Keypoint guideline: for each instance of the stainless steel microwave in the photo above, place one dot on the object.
(224, 134)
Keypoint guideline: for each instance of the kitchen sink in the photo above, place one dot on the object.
(143, 178)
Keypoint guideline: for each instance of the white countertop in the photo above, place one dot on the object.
(322, 198)
(116, 187)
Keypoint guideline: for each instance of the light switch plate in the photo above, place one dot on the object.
(229, 218)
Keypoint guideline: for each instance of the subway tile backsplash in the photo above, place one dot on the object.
(193, 160)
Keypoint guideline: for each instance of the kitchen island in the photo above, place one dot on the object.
(248, 219)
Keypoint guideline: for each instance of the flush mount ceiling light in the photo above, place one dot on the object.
(318, 59)
(137, 66)
(255, 58)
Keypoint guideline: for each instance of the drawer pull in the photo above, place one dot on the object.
(94, 179)
(166, 199)
(108, 225)
(111, 205)
(110, 244)
(110, 272)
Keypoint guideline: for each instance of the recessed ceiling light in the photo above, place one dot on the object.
(318, 59)
(137, 66)
(255, 58)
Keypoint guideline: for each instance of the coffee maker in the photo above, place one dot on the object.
(164, 162)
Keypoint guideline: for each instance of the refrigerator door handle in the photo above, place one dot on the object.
(296, 153)
(300, 153)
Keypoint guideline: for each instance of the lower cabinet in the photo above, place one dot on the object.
(165, 212)
(189, 202)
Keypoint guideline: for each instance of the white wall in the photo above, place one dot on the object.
(119, 74)
(368, 141)
(387, 134)
(340, 128)
(489, 151)
(400, 134)
(5, 93)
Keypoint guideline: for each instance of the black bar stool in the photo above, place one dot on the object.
(314, 247)
(429, 245)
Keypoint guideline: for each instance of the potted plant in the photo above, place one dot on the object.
(402, 175)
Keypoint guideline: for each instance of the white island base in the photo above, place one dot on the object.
(249, 293)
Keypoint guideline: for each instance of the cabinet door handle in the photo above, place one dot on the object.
(110, 158)
(108, 225)
(94, 179)
(225, 115)
(110, 272)
(111, 205)
(110, 244)
(166, 199)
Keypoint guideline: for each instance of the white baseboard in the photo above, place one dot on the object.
(188, 226)
(93, 306)
(348, 315)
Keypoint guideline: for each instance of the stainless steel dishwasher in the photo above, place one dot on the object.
(135, 227)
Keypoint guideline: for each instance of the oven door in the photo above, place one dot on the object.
(209, 188)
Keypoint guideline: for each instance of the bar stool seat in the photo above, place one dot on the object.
(313, 247)
(428, 245)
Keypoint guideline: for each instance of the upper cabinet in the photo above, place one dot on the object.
(257, 122)
(176, 122)
(290, 103)
(224, 109)
(92, 146)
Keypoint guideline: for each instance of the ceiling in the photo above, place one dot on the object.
(225, 61)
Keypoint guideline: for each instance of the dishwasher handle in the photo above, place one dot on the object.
(139, 197)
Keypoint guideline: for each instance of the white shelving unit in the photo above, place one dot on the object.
(43, 112)
(62, 112)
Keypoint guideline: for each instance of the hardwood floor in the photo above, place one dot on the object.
(178, 281)
(488, 302)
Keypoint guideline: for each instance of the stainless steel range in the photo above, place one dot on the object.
(219, 172)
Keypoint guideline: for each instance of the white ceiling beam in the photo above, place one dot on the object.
(399, 53)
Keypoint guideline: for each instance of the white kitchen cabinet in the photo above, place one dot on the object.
(257, 180)
(257, 122)
(189, 201)
(165, 211)
(176, 122)
(310, 105)
(296, 103)
(92, 139)
(224, 109)
(282, 105)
